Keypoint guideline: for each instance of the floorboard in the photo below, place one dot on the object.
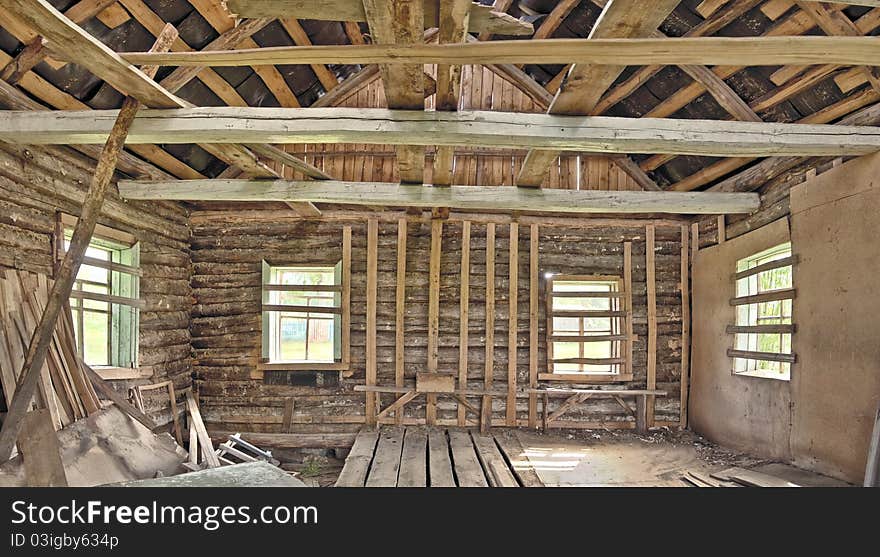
(439, 464)
(497, 471)
(357, 464)
(468, 470)
(519, 461)
(413, 465)
(386, 463)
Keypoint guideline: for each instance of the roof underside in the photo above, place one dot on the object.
(131, 25)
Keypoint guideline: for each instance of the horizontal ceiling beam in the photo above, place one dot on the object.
(472, 198)
(376, 126)
(731, 51)
(482, 18)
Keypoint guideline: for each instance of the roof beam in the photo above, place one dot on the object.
(477, 198)
(454, 17)
(586, 81)
(600, 53)
(482, 18)
(595, 134)
(398, 23)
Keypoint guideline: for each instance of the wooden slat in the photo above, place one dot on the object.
(290, 308)
(439, 462)
(400, 311)
(512, 324)
(464, 315)
(474, 198)
(397, 406)
(496, 469)
(464, 457)
(758, 479)
(434, 312)
(489, 369)
(372, 293)
(787, 294)
(628, 306)
(684, 376)
(413, 461)
(346, 299)
(195, 417)
(757, 329)
(357, 463)
(386, 462)
(534, 295)
(651, 280)
(769, 266)
(763, 356)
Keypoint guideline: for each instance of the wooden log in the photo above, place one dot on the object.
(459, 197)
(69, 267)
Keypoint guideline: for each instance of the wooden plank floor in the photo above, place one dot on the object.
(422, 457)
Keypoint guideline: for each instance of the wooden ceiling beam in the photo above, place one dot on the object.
(482, 18)
(555, 18)
(593, 134)
(586, 82)
(398, 23)
(600, 53)
(476, 198)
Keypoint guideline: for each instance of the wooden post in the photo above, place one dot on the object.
(652, 320)
(695, 240)
(628, 301)
(513, 271)
(464, 316)
(642, 414)
(533, 324)
(346, 301)
(67, 271)
(400, 309)
(434, 313)
(372, 287)
(685, 328)
(486, 410)
(287, 419)
(722, 229)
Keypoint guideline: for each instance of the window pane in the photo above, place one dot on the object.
(565, 350)
(596, 304)
(95, 337)
(292, 339)
(566, 325)
(321, 340)
(95, 305)
(93, 274)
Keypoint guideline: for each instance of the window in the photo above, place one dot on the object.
(105, 299)
(589, 328)
(763, 303)
(302, 314)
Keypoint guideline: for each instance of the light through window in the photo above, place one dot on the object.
(764, 327)
(294, 332)
(587, 325)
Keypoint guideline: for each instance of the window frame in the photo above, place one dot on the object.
(340, 312)
(621, 326)
(122, 297)
(747, 328)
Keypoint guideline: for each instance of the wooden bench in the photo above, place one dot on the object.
(577, 396)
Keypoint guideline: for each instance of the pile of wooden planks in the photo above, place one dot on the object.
(63, 389)
(734, 477)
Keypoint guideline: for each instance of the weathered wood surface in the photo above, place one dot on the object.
(40, 451)
(483, 18)
(715, 51)
(413, 460)
(475, 198)
(600, 134)
(386, 461)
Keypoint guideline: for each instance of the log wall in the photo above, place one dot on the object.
(36, 182)
(227, 255)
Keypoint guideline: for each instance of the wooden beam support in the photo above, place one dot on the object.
(464, 316)
(651, 280)
(66, 272)
(505, 198)
(534, 296)
(454, 17)
(586, 82)
(684, 377)
(611, 53)
(483, 18)
(328, 79)
(433, 312)
(400, 311)
(372, 293)
(595, 134)
(489, 369)
(512, 323)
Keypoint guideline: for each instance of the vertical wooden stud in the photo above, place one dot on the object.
(512, 322)
(628, 301)
(434, 313)
(346, 300)
(400, 312)
(533, 324)
(463, 316)
(372, 292)
(685, 327)
(652, 319)
(486, 410)
(722, 229)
